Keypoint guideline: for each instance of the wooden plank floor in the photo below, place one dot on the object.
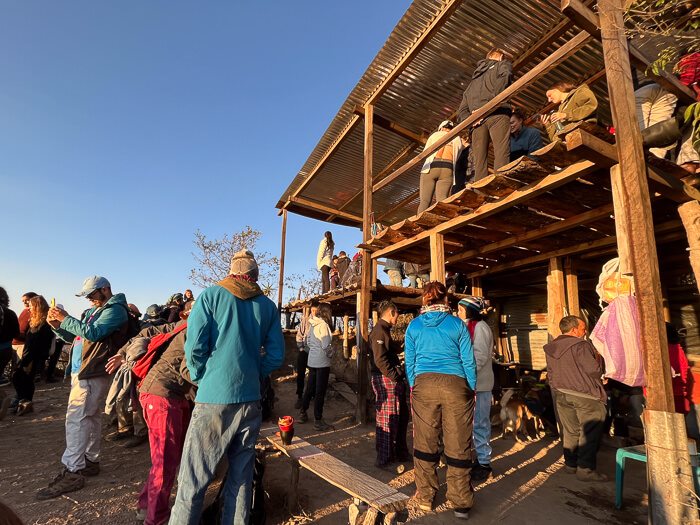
(358, 484)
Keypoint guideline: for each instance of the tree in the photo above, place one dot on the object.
(303, 285)
(213, 258)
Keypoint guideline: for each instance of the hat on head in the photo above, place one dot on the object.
(91, 284)
(446, 124)
(478, 304)
(153, 311)
(243, 263)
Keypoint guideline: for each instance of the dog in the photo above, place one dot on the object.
(516, 417)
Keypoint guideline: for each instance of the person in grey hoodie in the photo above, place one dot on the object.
(574, 371)
(491, 76)
(318, 342)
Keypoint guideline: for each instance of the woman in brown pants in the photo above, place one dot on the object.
(441, 371)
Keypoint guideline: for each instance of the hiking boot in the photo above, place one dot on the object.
(424, 505)
(14, 404)
(135, 441)
(481, 473)
(462, 513)
(118, 436)
(4, 407)
(92, 468)
(303, 417)
(587, 474)
(299, 403)
(25, 407)
(65, 482)
(569, 470)
(321, 425)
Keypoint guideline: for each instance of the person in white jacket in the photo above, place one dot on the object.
(318, 342)
(324, 260)
(437, 173)
(473, 310)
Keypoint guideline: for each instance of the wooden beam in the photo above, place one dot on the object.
(569, 250)
(548, 183)
(556, 297)
(280, 283)
(477, 287)
(388, 125)
(449, 7)
(571, 282)
(540, 69)
(437, 257)
(351, 125)
(545, 231)
(690, 215)
(306, 203)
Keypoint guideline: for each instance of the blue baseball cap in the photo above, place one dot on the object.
(91, 284)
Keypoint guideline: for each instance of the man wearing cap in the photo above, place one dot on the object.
(101, 331)
(437, 173)
(234, 339)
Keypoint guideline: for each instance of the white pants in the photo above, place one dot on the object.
(84, 421)
(654, 105)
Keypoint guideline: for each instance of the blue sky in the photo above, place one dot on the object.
(125, 126)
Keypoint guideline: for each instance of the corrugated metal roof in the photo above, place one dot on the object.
(430, 90)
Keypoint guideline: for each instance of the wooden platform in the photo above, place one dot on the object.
(359, 485)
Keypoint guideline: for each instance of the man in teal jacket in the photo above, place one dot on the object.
(96, 337)
(234, 339)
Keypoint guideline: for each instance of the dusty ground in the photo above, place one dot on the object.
(529, 485)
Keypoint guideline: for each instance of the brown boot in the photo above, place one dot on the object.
(66, 481)
(587, 474)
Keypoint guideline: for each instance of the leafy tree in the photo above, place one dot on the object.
(301, 285)
(213, 258)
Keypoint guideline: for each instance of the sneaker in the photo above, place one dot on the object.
(462, 513)
(298, 404)
(25, 407)
(569, 470)
(14, 404)
(4, 407)
(481, 473)
(65, 482)
(424, 505)
(135, 441)
(587, 474)
(140, 515)
(303, 417)
(321, 425)
(118, 436)
(92, 468)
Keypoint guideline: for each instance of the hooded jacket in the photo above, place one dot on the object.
(488, 80)
(575, 367)
(234, 339)
(324, 257)
(103, 331)
(318, 341)
(578, 105)
(439, 342)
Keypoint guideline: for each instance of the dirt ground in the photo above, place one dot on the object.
(529, 485)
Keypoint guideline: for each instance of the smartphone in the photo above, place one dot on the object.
(53, 302)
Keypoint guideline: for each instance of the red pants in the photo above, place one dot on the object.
(167, 421)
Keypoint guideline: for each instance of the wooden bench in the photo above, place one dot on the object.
(379, 497)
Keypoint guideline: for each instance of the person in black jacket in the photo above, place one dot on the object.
(389, 385)
(9, 329)
(37, 344)
(491, 76)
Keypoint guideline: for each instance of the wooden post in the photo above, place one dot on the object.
(571, 281)
(477, 288)
(437, 257)
(363, 303)
(346, 336)
(669, 470)
(293, 493)
(374, 279)
(280, 285)
(690, 215)
(556, 297)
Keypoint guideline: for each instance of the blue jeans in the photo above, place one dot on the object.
(482, 427)
(215, 432)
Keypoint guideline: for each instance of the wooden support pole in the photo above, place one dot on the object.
(556, 297)
(669, 471)
(477, 289)
(293, 493)
(690, 215)
(571, 282)
(346, 336)
(280, 283)
(363, 303)
(437, 257)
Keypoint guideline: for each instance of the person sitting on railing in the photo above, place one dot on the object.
(576, 104)
(436, 176)
(523, 139)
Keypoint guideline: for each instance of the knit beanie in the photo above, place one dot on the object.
(243, 263)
